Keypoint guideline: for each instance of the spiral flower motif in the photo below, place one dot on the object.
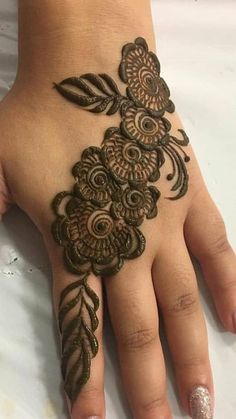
(133, 204)
(150, 132)
(97, 233)
(140, 69)
(127, 161)
(92, 179)
(94, 239)
(97, 221)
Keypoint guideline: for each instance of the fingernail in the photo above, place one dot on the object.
(75, 414)
(200, 403)
(234, 320)
(89, 417)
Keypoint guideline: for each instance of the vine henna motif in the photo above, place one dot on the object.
(97, 222)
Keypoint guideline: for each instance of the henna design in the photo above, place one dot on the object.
(77, 322)
(127, 162)
(97, 222)
(93, 182)
(140, 69)
(132, 204)
(150, 132)
(101, 93)
(96, 240)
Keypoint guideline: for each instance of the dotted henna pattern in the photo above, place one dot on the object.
(97, 222)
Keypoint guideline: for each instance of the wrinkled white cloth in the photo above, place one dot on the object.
(197, 48)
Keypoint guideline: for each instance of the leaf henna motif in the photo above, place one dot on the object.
(100, 93)
(97, 221)
(77, 323)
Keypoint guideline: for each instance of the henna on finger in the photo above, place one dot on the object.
(97, 222)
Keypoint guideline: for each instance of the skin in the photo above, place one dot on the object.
(104, 197)
(39, 146)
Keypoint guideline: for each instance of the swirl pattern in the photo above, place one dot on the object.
(135, 203)
(126, 161)
(93, 181)
(140, 69)
(97, 222)
(149, 132)
(94, 239)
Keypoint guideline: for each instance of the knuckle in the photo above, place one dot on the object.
(218, 241)
(185, 304)
(225, 287)
(137, 340)
(90, 392)
(219, 245)
(153, 404)
(191, 363)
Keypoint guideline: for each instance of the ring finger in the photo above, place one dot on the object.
(177, 294)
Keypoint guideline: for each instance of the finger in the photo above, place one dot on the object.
(207, 239)
(83, 369)
(133, 310)
(5, 198)
(177, 295)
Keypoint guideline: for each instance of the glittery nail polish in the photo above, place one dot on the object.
(200, 403)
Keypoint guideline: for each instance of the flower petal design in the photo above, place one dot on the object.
(133, 204)
(94, 239)
(149, 131)
(97, 222)
(92, 179)
(126, 161)
(140, 69)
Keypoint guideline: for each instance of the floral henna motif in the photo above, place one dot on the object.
(96, 240)
(149, 131)
(97, 222)
(127, 162)
(140, 69)
(135, 203)
(93, 181)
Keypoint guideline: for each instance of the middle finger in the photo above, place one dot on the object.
(133, 310)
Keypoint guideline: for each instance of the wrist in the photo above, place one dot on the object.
(79, 37)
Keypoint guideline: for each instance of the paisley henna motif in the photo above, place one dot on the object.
(97, 221)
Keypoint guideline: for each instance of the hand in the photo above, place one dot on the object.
(37, 164)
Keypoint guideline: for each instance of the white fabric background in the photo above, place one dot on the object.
(197, 48)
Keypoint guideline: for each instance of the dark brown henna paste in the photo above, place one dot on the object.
(127, 162)
(101, 93)
(97, 221)
(77, 323)
(140, 69)
(97, 239)
(149, 131)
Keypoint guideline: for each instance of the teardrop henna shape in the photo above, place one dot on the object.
(97, 221)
